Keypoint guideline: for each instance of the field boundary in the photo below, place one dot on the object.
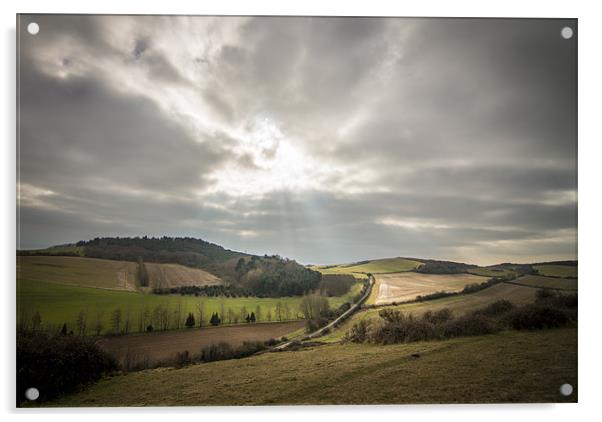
(540, 287)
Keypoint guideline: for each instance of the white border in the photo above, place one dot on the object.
(590, 93)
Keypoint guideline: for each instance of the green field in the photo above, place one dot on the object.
(557, 270)
(60, 303)
(458, 304)
(508, 367)
(378, 266)
(548, 282)
(489, 272)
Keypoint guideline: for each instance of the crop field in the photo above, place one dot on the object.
(548, 282)
(378, 266)
(557, 270)
(400, 287)
(164, 345)
(460, 304)
(61, 303)
(174, 275)
(508, 367)
(75, 271)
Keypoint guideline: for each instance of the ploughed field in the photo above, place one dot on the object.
(513, 366)
(402, 287)
(163, 346)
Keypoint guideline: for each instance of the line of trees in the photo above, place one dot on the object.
(161, 317)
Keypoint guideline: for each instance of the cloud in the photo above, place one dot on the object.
(322, 139)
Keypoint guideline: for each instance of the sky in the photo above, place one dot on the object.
(325, 140)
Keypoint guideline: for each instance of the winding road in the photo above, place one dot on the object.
(326, 329)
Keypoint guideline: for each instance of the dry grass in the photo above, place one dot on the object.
(75, 271)
(401, 287)
(505, 368)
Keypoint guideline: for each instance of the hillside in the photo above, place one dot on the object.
(270, 276)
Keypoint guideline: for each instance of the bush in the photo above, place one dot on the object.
(437, 317)
(537, 317)
(58, 364)
(470, 325)
(495, 309)
(358, 332)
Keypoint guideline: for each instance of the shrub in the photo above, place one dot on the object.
(358, 332)
(495, 309)
(470, 325)
(437, 317)
(58, 364)
(536, 317)
(214, 352)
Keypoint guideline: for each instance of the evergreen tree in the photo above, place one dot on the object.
(190, 322)
(252, 318)
(64, 329)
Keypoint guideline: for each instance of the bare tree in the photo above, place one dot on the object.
(231, 315)
(258, 313)
(269, 314)
(81, 322)
(116, 321)
(200, 308)
(286, 310)
(98, 321)
(36, 321)
(127, 321)
(279, 311)
(222, 307)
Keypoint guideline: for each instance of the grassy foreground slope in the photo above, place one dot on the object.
(507, 367)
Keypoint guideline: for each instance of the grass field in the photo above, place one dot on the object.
(549, 282)
(164, 345)
(504, 368)
(459, 305)
(60, 303)
(490, 272)
(84, 272)
(378, 266)
(557, 270)
(400, 287)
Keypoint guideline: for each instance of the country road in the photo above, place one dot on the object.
(318, 333)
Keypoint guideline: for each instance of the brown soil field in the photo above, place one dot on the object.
(401, 287)
(549, 282)
(174, 275)
(164, 345)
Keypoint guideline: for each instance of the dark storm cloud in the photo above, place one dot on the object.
(443, 138)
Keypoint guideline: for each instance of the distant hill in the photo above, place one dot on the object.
(261, 275)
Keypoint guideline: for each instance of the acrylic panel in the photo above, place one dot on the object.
(239, 210)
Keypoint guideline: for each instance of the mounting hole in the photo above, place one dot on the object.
(566, 389)
(32, 394)
(33, 28)
(567, 32)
